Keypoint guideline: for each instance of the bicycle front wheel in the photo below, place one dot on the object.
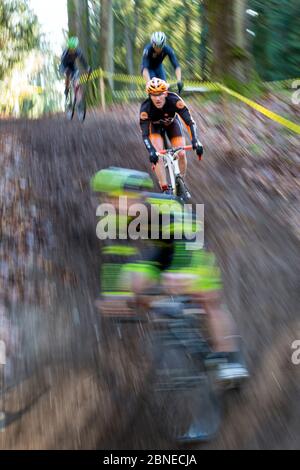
(170, 175)
(69, 108)
(186, 394)
(181, 190)
(2, 395)
(81, 106)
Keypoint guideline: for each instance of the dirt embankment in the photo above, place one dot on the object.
(57, 396)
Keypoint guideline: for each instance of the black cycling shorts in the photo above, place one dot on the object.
(172, 130)
(70, 71)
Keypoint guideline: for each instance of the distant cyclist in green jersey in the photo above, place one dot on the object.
(68, 65)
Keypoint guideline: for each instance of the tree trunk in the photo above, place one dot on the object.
(189, 39)
(204, 41)
(227, 39)
(231, 61)
(72, 18)
(129, 54)
(240, 22)
(78, 19)
(136, 16)
(79, 25)
(83, 26)
(107, 39)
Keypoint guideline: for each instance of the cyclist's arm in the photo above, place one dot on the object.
(63, 57)
(178, 74)
(145, 128)
(174, 62)
(146, 64)
(185, 115)
(82, 59)
(146, 75)
(114, 255)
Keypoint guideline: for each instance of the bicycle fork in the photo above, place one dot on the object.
(174, 171)
(177, 182)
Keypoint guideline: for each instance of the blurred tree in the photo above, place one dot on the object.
(79, 20)
(19, 33)
(94, 32)
(107, 38)
(124, 37)
(276, 45)
(79, 24)
(293, 40)
(72, 18)
(127, 23)
(204, 40)
(189, 37)
(227, 40)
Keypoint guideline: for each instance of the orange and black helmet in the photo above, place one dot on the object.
(156, 86)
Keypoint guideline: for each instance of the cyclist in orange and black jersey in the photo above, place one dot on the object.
(160, 114)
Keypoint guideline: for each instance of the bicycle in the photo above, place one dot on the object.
(76, 99)
(175, 180)
(186, 390)
(165, 358)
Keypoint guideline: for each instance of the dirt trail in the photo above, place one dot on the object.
(57, 396)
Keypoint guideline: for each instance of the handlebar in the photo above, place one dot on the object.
(173, 86)
(175, 150)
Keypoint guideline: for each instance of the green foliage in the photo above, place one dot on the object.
(237, 53)
(276, 47)
(19, 33)
(251, 89)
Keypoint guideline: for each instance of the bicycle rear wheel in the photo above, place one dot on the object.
(181, 190)
(170, 176)
(70, 105)
(2, 385)
(81, 107)
(186, 395)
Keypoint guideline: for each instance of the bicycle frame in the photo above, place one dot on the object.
(76, 99)
(165, 333)
(170, 159)
(76, 87)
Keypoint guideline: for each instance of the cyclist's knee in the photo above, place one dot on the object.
(178, 141)
(138, 277)
(182, 155)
